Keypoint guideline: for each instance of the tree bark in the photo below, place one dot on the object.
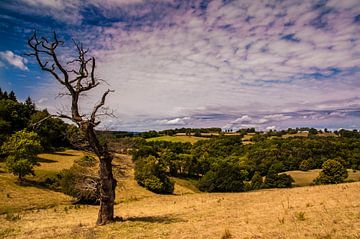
(107, 192)
(107, 181)
(77, 82)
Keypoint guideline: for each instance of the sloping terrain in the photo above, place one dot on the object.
(308, 212)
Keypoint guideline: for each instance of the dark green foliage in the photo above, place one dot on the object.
(274, 180)
(190, 131)
(305, 165)
(52, 131)
(224, 176)
(20, 150)
(75, 137)
(355, 134)
(151, 174)
(269, 157)
(79, 183)
(15, 116)
(332, 172)
(256, 181)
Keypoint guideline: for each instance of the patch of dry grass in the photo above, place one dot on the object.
(300, 134)
(331, 211)
(59, 160)
(31, 196)
(306, 178)
(14, 197)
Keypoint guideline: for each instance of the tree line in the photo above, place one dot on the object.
(225, 164)
(16, 116)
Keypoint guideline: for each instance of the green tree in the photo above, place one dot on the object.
(332, 172)
(21, 149)
(52, 131)
(256, 181)
(151, 174)
(225, 175)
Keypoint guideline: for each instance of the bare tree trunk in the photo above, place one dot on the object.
(77, 82)
(107, 180)
(107, 192)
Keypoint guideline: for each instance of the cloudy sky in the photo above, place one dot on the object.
(173, 63)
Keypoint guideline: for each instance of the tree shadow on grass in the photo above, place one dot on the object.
(42, 160)
(64, 154)
(151, 219)
(32, 183)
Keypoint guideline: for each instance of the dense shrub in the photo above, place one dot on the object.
(256, 181)
(86, 161)
(275, 180)
(332, 172)
(79, 183)
(305, 165)
(224, 176)
(151, 174)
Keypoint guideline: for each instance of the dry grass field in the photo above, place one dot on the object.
(306, 212)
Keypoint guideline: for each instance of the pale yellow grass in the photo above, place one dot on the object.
(14, 197)
(331, 211)
(309, 212)
(177, 138)
(300, 134)
(305, 178)
(59, 160)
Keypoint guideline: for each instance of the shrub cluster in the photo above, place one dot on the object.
(332, 172)
(151, 174)
(224, 176)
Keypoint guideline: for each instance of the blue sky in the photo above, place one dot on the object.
(230, 64)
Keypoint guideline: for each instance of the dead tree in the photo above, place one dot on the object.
(77, 81)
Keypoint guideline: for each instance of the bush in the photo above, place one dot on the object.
(151, 174)
(86, 161)
(332, 172)
(224, 176)
(305, 165)
(256, 181)
(274, 180)
(80, 184)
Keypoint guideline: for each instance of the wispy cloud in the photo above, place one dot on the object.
(221, 63)
(15, 60)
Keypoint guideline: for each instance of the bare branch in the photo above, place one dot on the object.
(37, 124)
(98, 106)
(82, 79)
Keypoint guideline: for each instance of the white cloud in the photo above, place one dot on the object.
(273, 118)
(176, 121)
(14, 60)
(230, 60)
(242, 120)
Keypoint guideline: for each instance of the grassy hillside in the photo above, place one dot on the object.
(177, 138)
(32, 195)
(305, 178)
(308, 212)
